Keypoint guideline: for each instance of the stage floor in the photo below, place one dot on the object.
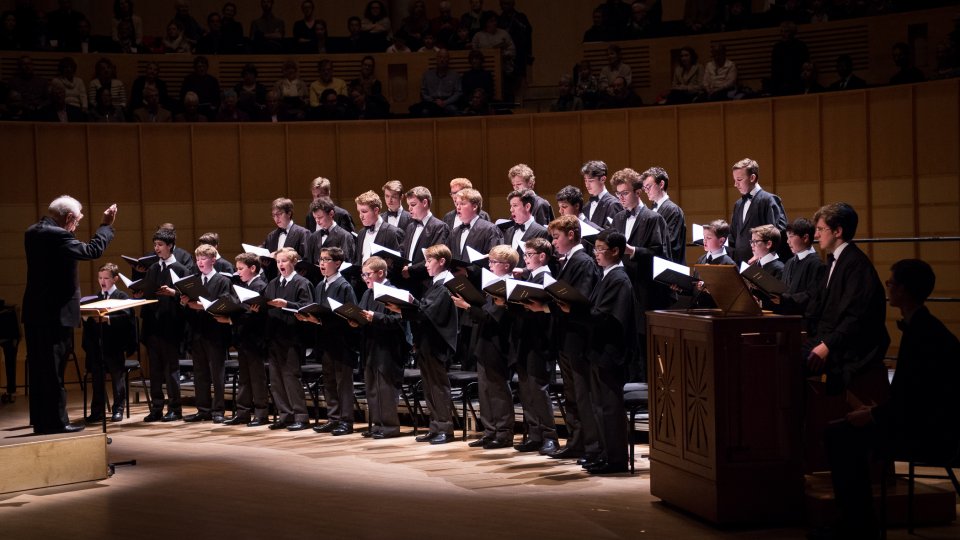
(211, 481)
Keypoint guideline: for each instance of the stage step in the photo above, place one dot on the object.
(31, 462)
(934, 501)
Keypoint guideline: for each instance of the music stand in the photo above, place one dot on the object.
(728, 289)
(99, 309)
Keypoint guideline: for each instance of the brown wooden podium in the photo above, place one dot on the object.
(725, 415)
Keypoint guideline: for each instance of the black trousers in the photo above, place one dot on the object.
(285, 383)
(252, 389)
(849, 450)
(47, 350)
(164, 368)
(581, 422)
(209, 356)
(337, 368)
(606, 393)
(436, 388)
(383, 394)
(533, 385)
(496, 401)
(112, 364)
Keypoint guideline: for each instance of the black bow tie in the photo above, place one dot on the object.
(392, 214)
(830, 258)
(281, 231)
(464, 225)
(420, 223)
(522, 227)
(655, 205)
(746, 197)
(323, 232)
(595, 198)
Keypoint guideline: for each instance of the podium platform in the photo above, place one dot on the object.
(41, 461)
(725, 415)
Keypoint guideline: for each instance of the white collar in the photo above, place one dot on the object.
(717, 254)
(442, 276)
(839, 249)
(332, 278)
(213, 272)
(171, 259)
(109, 291)
(472, 221)
(541, 270)
(803, 254)
(756, 189)
(768, 258)
(573, 250)
(609, 269)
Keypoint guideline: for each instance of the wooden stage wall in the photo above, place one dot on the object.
(891, 152)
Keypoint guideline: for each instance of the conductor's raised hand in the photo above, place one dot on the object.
(110, 215)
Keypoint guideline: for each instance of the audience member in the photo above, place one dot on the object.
(326, 82)
(304, 30)
(376, 25)
(62, 23)
(737, 16)
(368, 77)
(215, 41)
(267, 31)
(74, 89)
(598, 31)
(274, 110)
(123, 11)
(471, 19)
(476, 76)
(700, 15)
(321, 38)
(105, 110)
(586, 84)
(399, 43)
(31, 87)
(9, 37)
(786, 61)
(615, 68)
(127, 41)
(229, 112)
(520, 30)
(330, 106)
(460, 40)
(847, 80)
(106, 77)
(641, 24)
(191, 28)
(294, 93)
(87, 43)
(440, 89)
(620, 96)
(478, 104)
(493, 37)
(57, 110)
(206, 86)
(907, 73)
(174, 40)
(720, 75)
(232, 30)
(150, 79)
(444, 26)
(566, 99)
(809, 80)
(190, 109)
(687, 81)
(429, 44)
(251, 95)
(416, 24)
(151, 110)
(365, 106)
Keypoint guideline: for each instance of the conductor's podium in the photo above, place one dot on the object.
(725, 415)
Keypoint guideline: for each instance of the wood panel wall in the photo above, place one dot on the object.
(891, 152)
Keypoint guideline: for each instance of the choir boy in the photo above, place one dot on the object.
(521, 178)
(105, 342)
(394, 213)
(424, 230)
(764, 241)
(802, 272)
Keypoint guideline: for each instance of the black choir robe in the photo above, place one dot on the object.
(607, 207)
(340, 216)
(802, 276)
(849, 317)
(403, 219)
(542, 210)
(451, 219)
(336, 237)
(535, 230)
(676, 227)
(765, 209)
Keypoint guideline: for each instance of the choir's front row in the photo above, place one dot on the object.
(290, 315)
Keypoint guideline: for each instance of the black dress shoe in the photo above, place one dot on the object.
(117, 416)
(198, 417)
(154, 416)
(368, 434)
(94, 419)
(588, 458)
(566, 453)
(172, 416)
(479, 442)
(608, 468)
(217, 418)
(278, 425)
(549, 447)
(257, 422)
(426, 437)
(342, 429)
(382, 435)
(73, 428)
(298, 426)
(326, 427)
(443, 438)
(237, 420)
(495, 444)
(529, 446)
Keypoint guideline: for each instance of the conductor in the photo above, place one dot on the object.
(51, 305)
